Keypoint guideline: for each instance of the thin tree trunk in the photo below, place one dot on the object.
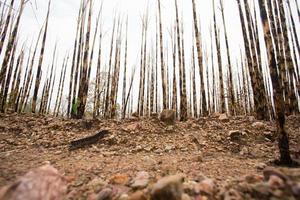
(39, 69)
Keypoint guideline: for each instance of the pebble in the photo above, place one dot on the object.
(224, 118)
(260, 166)
(139, 195)
(119, 179)
(206, 186)
(258, 125)
(141, 180)
(235, 135)
(105, 194)
(170, 187)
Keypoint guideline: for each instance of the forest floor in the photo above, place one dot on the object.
(226, 150)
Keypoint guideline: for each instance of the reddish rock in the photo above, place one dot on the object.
(170, 187)
(42, 183)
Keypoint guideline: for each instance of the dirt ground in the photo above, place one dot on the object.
(222, 149)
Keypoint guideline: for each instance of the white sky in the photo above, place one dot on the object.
(63, 16)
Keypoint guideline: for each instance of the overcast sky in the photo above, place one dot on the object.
(63, 16)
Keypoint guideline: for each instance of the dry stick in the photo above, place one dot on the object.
(41, 58)
(283, 141)
(7, 21)
(164, 89)
(230, 74)
(125, 71)
(219, 58)
(106, 108)
(198, 45)
(8, 51)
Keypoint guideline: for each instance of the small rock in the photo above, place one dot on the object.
(296, 189)
(96, 184)
(45, 179)
(189, 187)
(206, 186)
(119, 179)
(141, 180)
(258, 125)
(262, 189)
(168, 116)
(170, 187)
(139, 195)
(235, 135)
(260, 166)
(251, 118)
(169, 128)
(269, 136)
(185, 197)
(224, 118)
(132, 127)
(269, 171)
(253, 178)
(168, 148)
(275, 182)
(105, 194)
(244, 151)
(123, 197)
(232, 195)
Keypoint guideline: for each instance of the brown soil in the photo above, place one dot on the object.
(199, 146)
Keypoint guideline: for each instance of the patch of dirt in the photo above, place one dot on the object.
(222, 150)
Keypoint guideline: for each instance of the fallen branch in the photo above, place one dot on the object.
(88, 140)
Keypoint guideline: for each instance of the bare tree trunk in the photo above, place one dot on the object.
(283, 140)
(39, 69)
(162, 62)
(199, 52)
(231, 100)
(218, 45)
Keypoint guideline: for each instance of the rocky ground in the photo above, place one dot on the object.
(209, 158)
